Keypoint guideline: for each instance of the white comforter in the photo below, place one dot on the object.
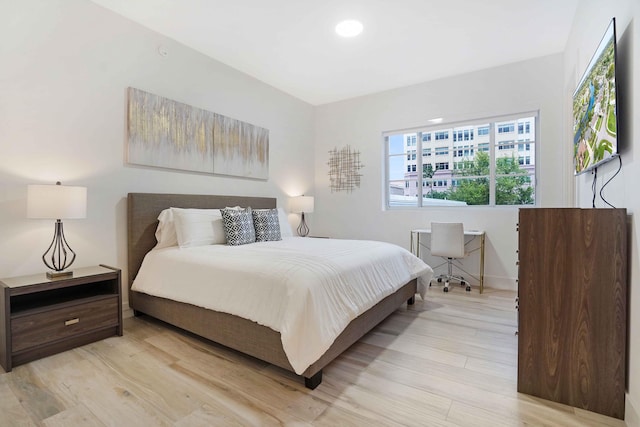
(306, 289)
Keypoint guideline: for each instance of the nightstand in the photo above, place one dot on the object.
(40, 317)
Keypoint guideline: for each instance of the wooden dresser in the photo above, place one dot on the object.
(573, 307)
(41, 316)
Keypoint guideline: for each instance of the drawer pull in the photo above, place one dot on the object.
(72, 321)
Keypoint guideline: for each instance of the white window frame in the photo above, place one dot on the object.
(432, 129)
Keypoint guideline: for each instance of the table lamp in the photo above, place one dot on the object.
(57, 202)
(302, 205)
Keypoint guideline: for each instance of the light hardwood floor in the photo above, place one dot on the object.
(448, 361)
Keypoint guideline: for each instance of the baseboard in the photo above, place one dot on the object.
(501, 283)
(631, 418)
(126, 311)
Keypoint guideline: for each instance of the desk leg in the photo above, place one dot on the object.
(415, 244)
(481, 263)
(411, 245)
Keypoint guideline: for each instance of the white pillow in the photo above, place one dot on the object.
(198, 227)
(166, 231)
(285, 227)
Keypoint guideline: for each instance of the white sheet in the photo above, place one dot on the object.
(307, 289)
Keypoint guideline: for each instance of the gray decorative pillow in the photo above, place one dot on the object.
(238, 226)
(266, 224)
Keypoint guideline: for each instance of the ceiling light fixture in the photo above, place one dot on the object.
(436, 120)
(349, 28)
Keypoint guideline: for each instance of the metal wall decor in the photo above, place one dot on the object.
(169, 134)
(344, 167)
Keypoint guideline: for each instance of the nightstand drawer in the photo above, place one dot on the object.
(40, 328)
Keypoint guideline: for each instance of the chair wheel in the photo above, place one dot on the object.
(468, 288)
(429, 284)
(445, 289)
(439, 280)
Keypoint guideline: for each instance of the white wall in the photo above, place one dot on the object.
(591, 20)
(521, 87)
(66, 65)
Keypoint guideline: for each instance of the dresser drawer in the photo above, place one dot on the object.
(47, 326)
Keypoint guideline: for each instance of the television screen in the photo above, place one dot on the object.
(594, 108)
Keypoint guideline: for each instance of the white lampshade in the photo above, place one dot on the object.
(56, 201)
(302, 204)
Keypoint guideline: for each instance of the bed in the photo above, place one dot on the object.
(234, 331)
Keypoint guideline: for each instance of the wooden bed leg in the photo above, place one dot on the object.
(411, 300)
(314, 381)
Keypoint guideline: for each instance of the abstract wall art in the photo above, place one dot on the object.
(240, 148)
(344, 169)
(169, 134)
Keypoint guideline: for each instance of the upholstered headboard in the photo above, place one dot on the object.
(143, 210)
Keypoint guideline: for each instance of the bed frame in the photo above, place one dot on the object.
(231, 331)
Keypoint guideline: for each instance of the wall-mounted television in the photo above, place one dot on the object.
(595, 110)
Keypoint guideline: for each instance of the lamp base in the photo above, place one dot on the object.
(59, 274)
(58, 252)
(303, 229)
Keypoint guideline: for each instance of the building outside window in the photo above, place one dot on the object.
(491, 169)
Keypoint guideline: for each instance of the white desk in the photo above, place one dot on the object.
(470, 236)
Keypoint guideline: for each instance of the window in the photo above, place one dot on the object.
(505, 128)
(499, 169)
(463, 135)
(442, 135)
(524, 127)
(524, 160)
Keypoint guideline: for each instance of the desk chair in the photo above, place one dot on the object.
(447, 240)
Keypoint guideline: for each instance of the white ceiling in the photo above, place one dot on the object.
(291, 44)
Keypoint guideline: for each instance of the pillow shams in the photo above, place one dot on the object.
(198, 227)
(166, 231)
(266, 224)
(238, 226)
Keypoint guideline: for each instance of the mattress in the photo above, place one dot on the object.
(306, 289)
